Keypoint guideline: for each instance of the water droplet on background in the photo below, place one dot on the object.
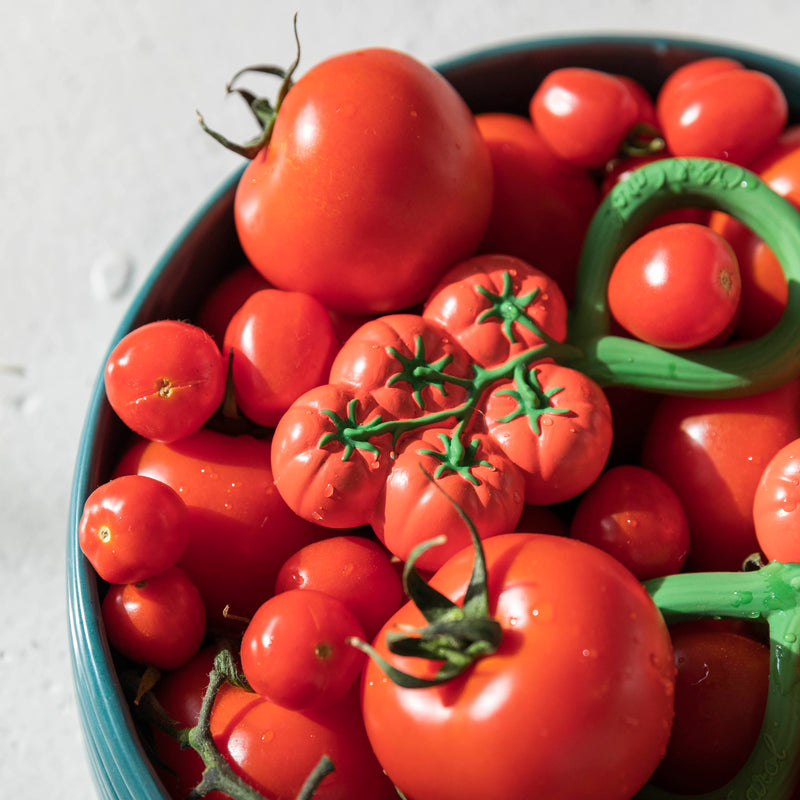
(110, 276)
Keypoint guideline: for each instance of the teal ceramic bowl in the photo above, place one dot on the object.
(498, 79)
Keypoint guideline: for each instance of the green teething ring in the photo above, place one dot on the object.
(737, 369)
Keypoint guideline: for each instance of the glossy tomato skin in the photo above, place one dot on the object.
(775, 506)
(165, 379)
(241, 531)
(635, 516)
(497, 306)
(677, 287)
(378, 156)
(541, 206)
(720, 695)
(583, 114)
(281, 344)
(132, 528)
(355, 569)
(571, 699)
(721, 110)
(159, 621)
(320, 480)
(380, 356)
(416, 503)
(295, 649)
(559, 435)
(713, 452)
(272, 748)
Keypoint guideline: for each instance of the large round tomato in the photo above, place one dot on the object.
(375, 180)
(240, 530)
(712, 451)
(577, 698)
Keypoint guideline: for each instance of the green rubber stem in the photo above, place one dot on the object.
(737, 369)
(771, 595)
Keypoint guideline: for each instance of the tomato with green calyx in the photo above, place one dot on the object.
(374, 181)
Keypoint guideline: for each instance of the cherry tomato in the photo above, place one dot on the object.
(165, 379)
(268, 338)
(775, 505)
(583, 114)
(389, 356)
(677, 287)
(584, 670)
(272, 748)
(159, 621)
(132, 528)
(541, 206)
(295, 650)
(554, 423)
(635, 516)
(712, 451)
(405, 190)
(433, 470)
(720, 695)
(720, 109)
(355, 569)
(241, 531)
(496, 307)
(322, 474)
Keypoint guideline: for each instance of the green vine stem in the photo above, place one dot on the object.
(770, 594)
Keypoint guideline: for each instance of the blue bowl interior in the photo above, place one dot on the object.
(502, 78)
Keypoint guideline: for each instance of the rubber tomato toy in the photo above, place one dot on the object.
(376, 179)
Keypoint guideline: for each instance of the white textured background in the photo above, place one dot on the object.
(101, 163)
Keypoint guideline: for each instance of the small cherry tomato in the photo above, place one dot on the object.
(132, 528)
(635, 516)
(165, 379)
(554, 423)
(677, 287)
(160, 621)
(716, 108)
(775, 506)
(282, 344)
(541, 206)
(583, 114)
(720, 696)
(295, 650)
(497, 306)
(354, 569)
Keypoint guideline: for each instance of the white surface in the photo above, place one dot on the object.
(101, 163)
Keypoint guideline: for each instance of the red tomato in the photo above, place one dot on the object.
(719, 109)
(713, 452)
(295, 650)
(282, 345)
(434, 468)
(241, 531)
(720, 695)
(496, 307)
(132, 528)
(775, 505)
(375, 180)
(541, 206)
(159, 621)
(635, 516)
(226, 298)
(583, 114)
(646, 107)
(578, 694)
(555, 426)
(677, 287)
(272, 748)
(389, 358)
(321, 473)
(354, 569)
(165, 379)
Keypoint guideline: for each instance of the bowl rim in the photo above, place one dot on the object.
(112, 745)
